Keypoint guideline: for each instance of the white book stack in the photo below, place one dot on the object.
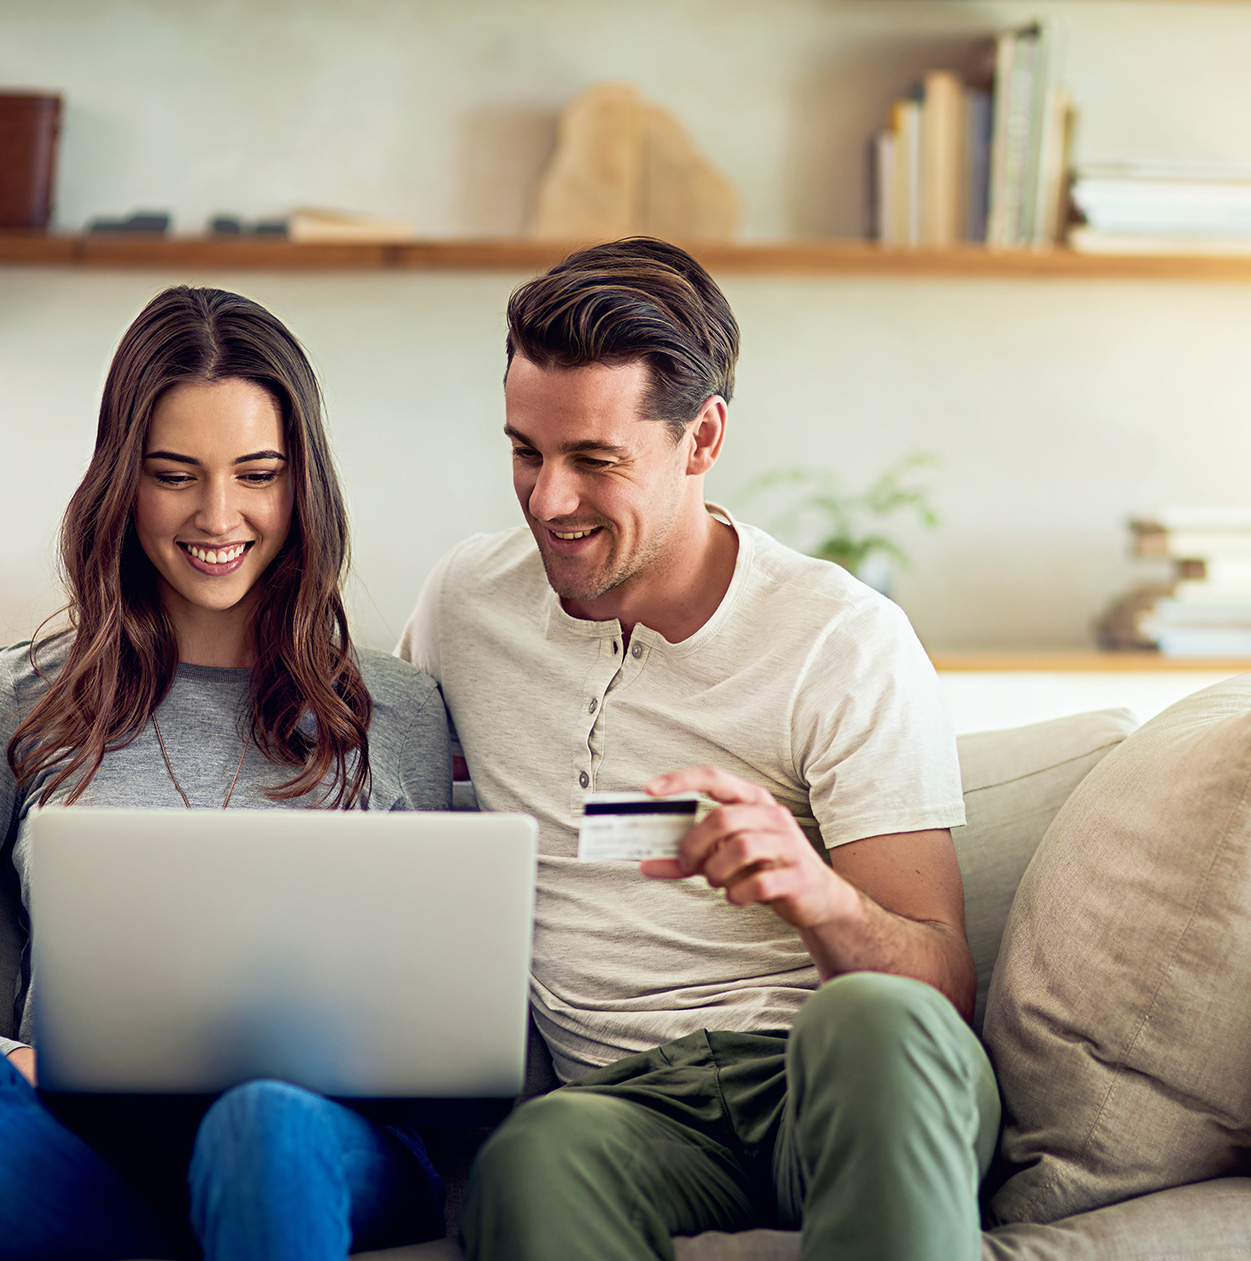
(1208, 611)
(1144, 208)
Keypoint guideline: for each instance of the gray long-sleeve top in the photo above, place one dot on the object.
(203, 726)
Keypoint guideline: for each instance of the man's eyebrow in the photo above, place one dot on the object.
(570, 448)
(190, 459)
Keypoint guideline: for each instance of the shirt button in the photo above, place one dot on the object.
(636, 650)
(594, 705)
(583, 779)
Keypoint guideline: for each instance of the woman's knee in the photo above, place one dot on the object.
(255, 1117)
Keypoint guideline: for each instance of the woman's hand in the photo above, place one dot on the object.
(23, 1059)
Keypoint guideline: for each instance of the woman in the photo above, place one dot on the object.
(207, 664)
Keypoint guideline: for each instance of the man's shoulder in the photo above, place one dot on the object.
(501, 564)
(809, 590)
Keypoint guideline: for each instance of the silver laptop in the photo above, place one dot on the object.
(361, 954)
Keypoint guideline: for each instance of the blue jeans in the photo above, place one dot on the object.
(268, 1170)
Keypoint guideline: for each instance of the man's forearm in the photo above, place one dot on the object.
(868, 938)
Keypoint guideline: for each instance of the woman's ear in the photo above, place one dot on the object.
(705, 435)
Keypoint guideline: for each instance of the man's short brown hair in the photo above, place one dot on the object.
(638, 300)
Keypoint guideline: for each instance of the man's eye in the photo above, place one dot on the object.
(589, 462)
(524, 453)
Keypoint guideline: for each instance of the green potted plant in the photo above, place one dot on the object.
(816, 515)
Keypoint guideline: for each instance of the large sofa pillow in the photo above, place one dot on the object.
(1119, 1015)
(1014, 782)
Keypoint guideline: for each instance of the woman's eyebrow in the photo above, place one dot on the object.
(170, 455)
(190, 459)
(260, 455)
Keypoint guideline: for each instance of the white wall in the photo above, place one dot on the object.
(1057, 408)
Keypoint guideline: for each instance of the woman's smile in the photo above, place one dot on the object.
(215, 558)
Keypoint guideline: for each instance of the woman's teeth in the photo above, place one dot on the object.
(221, 557)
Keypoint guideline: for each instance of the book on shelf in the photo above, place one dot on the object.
(942, 169)
(1203, 536)
(978, 120)
(1233, 517)
(1203, 609)
(980, 157)
(906, 209)
(1216, 571)
(1208, 641)
(882, 198)
(1086, 240)
(1205, 593)
(1170, 613)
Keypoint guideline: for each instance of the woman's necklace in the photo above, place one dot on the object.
(169, 767)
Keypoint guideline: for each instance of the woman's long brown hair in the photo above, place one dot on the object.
(310, 708)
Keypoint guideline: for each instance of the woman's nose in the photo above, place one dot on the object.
(218, 513)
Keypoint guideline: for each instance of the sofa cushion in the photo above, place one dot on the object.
(1210, 1221)
(1014, 782)
(1119, 1016)
(1207, 1222)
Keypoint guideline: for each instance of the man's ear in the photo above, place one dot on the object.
(705, 435)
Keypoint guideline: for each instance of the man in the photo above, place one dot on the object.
(768, 1030)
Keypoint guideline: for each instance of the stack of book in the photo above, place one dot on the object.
(983, 159)
(1141, 208)
(1204, 608)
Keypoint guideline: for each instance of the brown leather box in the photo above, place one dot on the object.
(29, 125)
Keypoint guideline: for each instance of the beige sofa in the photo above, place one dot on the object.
(1132, 1203)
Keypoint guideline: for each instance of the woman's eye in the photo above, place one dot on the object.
(261, 478)
(172, 479)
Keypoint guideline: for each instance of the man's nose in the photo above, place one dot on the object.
(555, 493)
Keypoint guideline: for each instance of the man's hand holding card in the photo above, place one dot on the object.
(751, 846)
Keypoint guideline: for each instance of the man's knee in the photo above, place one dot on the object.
(559, 1132)
(872, 1027)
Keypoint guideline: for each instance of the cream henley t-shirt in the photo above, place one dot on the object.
(803, 680)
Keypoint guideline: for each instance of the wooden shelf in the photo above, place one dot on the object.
(786, 258)
(1010, 662)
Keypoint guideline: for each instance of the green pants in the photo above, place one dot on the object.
(869, 1126)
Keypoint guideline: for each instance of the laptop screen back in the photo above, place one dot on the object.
(358, 954)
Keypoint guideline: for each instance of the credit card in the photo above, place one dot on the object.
(633, 826)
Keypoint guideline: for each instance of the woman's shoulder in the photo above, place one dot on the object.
(391, 681)
(27, 668)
